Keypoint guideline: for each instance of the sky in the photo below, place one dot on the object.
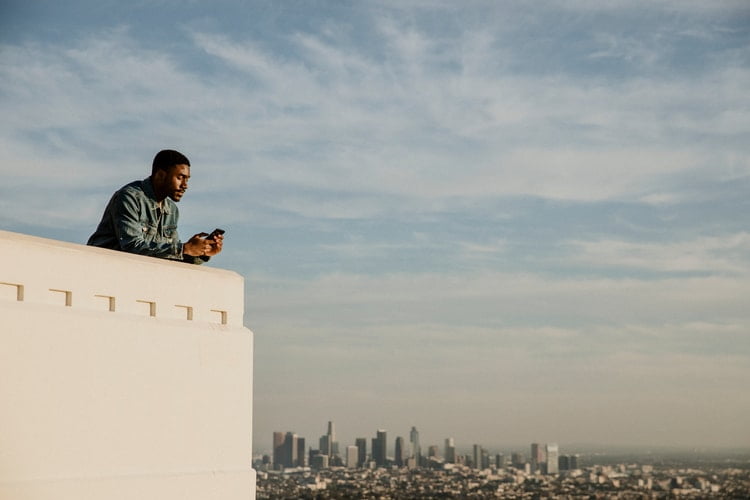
(503, 222)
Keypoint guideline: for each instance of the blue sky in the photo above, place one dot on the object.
(499, 221)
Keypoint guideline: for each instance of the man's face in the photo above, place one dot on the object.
(172, 182)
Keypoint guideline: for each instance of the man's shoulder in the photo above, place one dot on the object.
(140, 191)
(135, 186)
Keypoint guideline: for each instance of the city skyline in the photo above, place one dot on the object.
(520, 222)
(289, 452)
(532, 452)
(548, 470)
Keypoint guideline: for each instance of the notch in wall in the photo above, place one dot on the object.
(222, 314)
(110, 300)
(18, 287)
(188, 312)
(68, 296)
(151, 306)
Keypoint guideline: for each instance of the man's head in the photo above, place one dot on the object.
(170, 172)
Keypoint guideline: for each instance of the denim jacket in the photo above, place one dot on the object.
(133, 222)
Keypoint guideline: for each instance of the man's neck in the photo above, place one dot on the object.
(158, 195)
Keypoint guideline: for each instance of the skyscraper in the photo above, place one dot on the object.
(399, 453)
(278, 448)
(552, 458)
(331, 431)
(450, 451)
(352, 453)
(319, 461)
(416, 449)
(334, 445)
(290, 450)
(537, 457)
(379, 448)
(301, 455)
(286, 450)
(325, 445)
(477, 457)
(361, 451)
(328, 444)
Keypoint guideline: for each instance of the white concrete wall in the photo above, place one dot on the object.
(121, 376)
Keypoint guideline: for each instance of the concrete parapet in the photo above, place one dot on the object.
(121, 376)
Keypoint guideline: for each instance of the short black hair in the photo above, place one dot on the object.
(167, 158)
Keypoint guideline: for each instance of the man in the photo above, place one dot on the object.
(141, 217)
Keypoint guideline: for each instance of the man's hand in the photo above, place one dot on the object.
(197, 246)
(214, 245)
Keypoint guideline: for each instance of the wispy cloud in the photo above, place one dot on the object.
(724, 254)
(425, 120)
(498, 299)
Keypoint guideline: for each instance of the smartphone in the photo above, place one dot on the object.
(216, 232)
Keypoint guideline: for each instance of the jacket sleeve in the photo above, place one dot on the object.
(190, 259)
(195, 260)
(137, 237)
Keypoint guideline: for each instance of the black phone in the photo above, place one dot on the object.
(216, 232)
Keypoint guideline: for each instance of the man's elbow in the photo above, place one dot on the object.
(134, 246)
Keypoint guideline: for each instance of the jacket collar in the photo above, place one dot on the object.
(148, 190)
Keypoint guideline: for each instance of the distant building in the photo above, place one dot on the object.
(352, 457)
(573, 462)
(450, 451)
(476, 461)
(301, 456)
(537, 457)
(333, 445)
(325, 445)
(290, 450)
(564, 462)
(361, 444)
(327, 442)
(416, 448)
(517, 460)
(319, 461)
(379, 448)
(552, 453)
(400, 458)
(278, 448)
(500, 461)
(286, 450)
(433, 451)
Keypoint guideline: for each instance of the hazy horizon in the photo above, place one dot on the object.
(496, 221)
(264, 446)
